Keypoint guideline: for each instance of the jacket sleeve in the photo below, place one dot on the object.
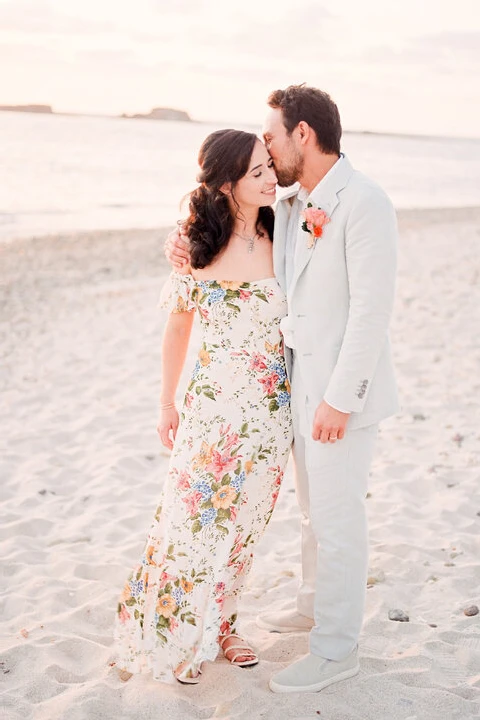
(370, 250)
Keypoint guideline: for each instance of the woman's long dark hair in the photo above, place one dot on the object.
(223, 158)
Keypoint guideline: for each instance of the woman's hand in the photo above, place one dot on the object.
(167, 426)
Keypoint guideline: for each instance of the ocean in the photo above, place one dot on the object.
(61, 174)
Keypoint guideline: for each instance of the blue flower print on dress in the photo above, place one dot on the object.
(280, 370)
(204, 488)
(216, 295)
(196, 369)
(238, 480)
(136, 587)
(177, 594)
(208, 516)
(283, 398)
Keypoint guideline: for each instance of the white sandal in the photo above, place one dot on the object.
(185, 676)
(243, 651)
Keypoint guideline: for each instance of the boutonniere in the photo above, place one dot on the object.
(314, 222)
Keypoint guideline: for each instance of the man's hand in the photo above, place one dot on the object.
(176, 249)
(329, 424)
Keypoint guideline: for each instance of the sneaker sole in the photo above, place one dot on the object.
(282, 628)
(316, 687)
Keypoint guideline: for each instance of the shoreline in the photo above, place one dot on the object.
(405, 215)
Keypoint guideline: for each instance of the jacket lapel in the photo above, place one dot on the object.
(325, 197)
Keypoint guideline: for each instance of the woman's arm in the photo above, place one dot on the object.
(174, 349)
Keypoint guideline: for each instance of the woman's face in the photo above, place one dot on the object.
(257, 187)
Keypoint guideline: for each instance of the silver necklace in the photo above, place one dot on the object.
(250, 240)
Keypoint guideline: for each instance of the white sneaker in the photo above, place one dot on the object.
(284, 621)
(313, 673)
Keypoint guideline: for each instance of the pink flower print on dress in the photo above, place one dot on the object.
(258, 362)
(269, 383)
(236, 549)
(123, 615)
(183, 482)
(192, 502)
(173, 624)
(230, 442)
(274, 498)
(220, 593)
(221, 464)
(164, 580)
(224, 430)
(239, 568)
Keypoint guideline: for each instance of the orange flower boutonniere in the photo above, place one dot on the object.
(314, 222)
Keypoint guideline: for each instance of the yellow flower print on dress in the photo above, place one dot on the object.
(166, 605)
(224, 497)
(181, 305)
(230, 284)
(204, 457)
(149, 553)
(204, 357)
(126, 593)
(272, 348)
(186, 585)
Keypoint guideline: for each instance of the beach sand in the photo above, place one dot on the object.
(81, 469)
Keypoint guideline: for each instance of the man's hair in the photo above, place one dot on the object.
(313, 106)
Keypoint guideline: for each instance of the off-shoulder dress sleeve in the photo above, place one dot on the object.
(176, 294)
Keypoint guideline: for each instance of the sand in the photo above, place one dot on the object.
(81, 470)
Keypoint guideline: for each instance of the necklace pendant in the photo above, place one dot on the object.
(251, 244)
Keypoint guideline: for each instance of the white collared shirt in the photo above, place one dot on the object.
(298, 205)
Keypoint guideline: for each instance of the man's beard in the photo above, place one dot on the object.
(290, 174)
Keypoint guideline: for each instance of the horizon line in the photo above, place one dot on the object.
(127, 116)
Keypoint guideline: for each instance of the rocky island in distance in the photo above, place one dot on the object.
(161, 113)
(158, 113)
(28, 108)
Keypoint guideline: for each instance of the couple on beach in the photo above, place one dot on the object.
(294, 309)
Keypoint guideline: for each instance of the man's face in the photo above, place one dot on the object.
(284, 151)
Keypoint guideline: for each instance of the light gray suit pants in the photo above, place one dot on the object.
(331, 485)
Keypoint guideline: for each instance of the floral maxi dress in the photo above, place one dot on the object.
(225, 470)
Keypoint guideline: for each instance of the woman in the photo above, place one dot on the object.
(232, 439)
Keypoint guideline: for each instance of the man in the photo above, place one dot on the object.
(335, 257)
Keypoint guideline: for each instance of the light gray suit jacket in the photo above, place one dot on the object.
(341, 296)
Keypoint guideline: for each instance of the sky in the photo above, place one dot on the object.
(409, 66)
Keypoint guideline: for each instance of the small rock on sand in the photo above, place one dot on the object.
(471, 610)
(398, 615)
